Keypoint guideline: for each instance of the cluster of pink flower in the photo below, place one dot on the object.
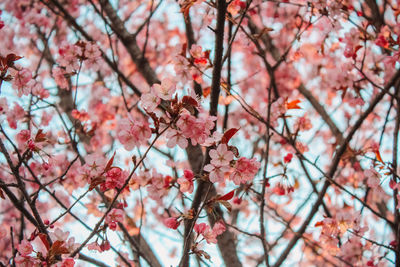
(133, 132)
(336, 227)
(104, 246)
(196, 129)
(44, 253)
(186, 182)
(164, 91)
(113, 217)
(208, 233)
(189, 68)
(351, 40)
(24, 258)
(244, 169)
(70, 58)
(158, 187)
(115, 178)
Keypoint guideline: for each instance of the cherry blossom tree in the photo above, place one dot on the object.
(199, 133)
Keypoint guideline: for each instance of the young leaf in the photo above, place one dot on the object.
(378, 156)
(293, 104)
(45, 242)
(227, 196)
(58, 248)
(228, 135)
(109, 163)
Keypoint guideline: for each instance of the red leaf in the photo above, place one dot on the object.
(320, 223)
(188, 100)
(228, 135)
(378, 156)
(45, 242)
(227, 196)
(3, 64)
(227, 205)
(40, 136)
(2, 194)
(358, 47)
(95, 182)
(185, 7)
(293, 104)
(58, 248)
(11, 58)
(206, 91)
(109, 163)
(183, 51)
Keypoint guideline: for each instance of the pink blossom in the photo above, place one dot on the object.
(69, 54)
(188, 174)
(68, 262)
(352, 250)
(171, 222)
(39, 91)
(176, 138)
(235, 7)
(196, 51)
(372, 177)
(113, 217)
(330, 243)
(182, 68)
(46, 118)
(22, 80)
(186, 182)
(200, 57)
(245, 170)
(71, 245)
(201, 228)
(59, 234)
(351, 39)
(32, 145)
(197, 129)
(25, 248)
(133, 133)
(141, 179)
(303, 124)
(93, 246)
(392, 59)
(149, 101)
(221, 156)
(22, 137)
(301, 147)
(219, 228)
(381, 41)
(217, 173)
(165, 90)
(157, 188)
(3, 232)
(210, 235)
(92, 50)
(59, 77)
(115, 178)
(104, 246)
(26, 261)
